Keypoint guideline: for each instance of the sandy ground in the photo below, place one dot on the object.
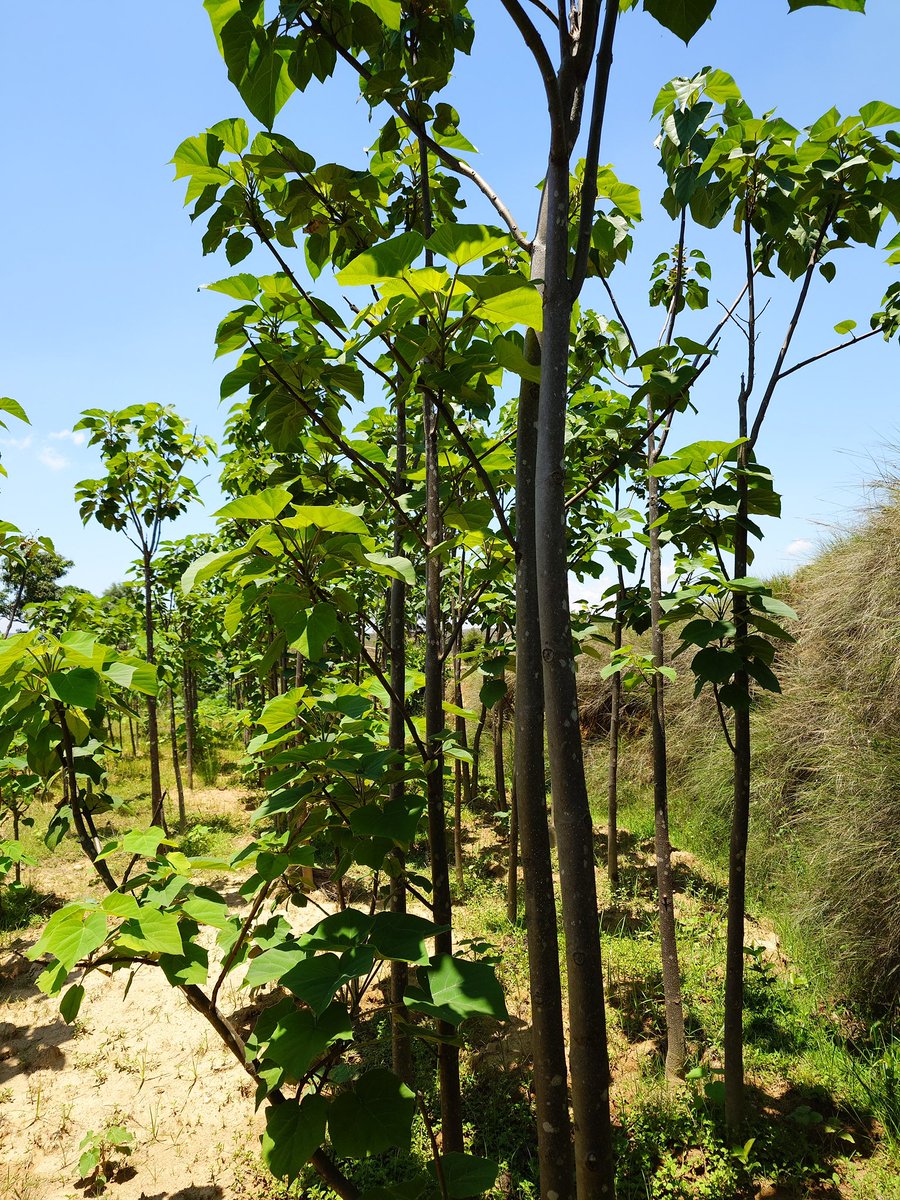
(138, 1056)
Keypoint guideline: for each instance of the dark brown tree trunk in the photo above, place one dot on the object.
(665, 887)
(401, 1049)
(448, 1055)
(473, 775)
(187, 687)
(17, 870)
(588, 1053)
(615, 705)
(737, 856)
(554, 1132)
(158, 816)
(499, 766)
(131, 735)
(512, 877)
(176, 765)
(88, 844)
(461, 777)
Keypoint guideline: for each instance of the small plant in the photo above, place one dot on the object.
(103, 1155)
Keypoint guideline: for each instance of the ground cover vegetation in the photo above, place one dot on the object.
(393, 927)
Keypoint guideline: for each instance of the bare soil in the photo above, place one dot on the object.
(138, 1056)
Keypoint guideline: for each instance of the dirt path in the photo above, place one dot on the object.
(138, 1056)
(146, 1061)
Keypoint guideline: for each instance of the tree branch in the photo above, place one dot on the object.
(792, 326)
(539, 53)
(478, 467)
(825, 353)
(592, 153)
(457, 165)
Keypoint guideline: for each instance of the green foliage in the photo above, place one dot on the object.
(102, 1156)
(145, 449)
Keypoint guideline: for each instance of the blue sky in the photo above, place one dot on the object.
(101, 267)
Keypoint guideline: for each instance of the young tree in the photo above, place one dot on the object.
(145, 450)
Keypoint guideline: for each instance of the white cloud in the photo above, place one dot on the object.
(12, 443)
(69, 435)
(52, 458)
(799, 548)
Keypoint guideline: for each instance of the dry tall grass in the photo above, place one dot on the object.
(825, 834)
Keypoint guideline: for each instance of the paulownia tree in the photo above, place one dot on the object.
(145, 450)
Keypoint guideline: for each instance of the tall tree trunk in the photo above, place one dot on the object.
(448, 1055)
(461, 777)
(588, 1052)
(131, 735)
(615, 706)
(89, 845)
(665, 888)
(473, 775)
(158, 816)
(17, 870)
(176, 765)
(187, 689)
(401, 1049)
(740, 824)
(499, 766)
(512, 875)
(554, 1134)
(457, 824)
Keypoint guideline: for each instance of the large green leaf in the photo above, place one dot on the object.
(220, 13)
(293, 1134)
(457, 988)
(272, 964)
(267, 85)
(683, 17)
(71, 1003)
(145, 842)
(394, 567)
(206, 566)
(318, 625)
(281, 710)
(850, 5)
(397, 820)
(463, 243)
(71, 933)
(154, 931)
(261, 506)
(387, 260)
(77, 687)
(339, 931)
(316, 980)
(373, 1116)
(190, 967)
(465, 1174)
(387, 11)
(299, 1038)
(402, 936)
(14, 408)
(207, 907)
(878, 113)
(508, 300)
(239, 287)
(134, 676)
(326, 517)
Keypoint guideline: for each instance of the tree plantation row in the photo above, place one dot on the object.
(434, 424)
